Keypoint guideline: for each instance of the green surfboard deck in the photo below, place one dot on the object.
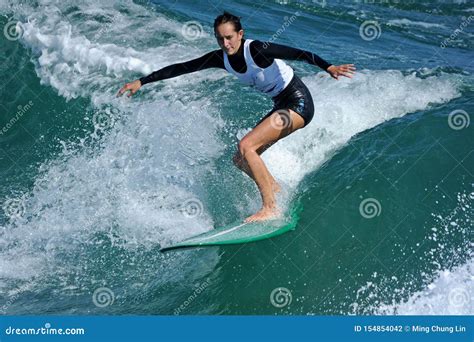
(239, 232)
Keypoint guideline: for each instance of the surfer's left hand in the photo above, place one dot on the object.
(346, 70)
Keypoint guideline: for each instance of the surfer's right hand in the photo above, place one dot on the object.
(131, 87)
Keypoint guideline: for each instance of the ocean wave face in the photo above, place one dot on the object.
(93, 184)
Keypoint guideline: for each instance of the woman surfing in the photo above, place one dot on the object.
(261, 66)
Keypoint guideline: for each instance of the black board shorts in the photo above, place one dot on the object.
(295, 96)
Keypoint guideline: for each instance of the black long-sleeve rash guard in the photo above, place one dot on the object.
(262, 53)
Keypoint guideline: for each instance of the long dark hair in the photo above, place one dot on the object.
(227, 17)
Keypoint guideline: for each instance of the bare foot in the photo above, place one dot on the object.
(263, 215)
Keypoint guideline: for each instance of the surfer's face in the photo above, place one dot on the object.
(228, 39)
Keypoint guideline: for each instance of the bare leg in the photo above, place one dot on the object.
(268, 132)
(242, 164)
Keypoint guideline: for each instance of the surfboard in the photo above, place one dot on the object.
(239, 232)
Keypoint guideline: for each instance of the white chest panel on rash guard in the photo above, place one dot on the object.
(271, 80)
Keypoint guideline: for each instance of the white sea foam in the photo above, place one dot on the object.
(137, 177)
(407, 22)
(446, 290)
(451, 293)
(346, 107)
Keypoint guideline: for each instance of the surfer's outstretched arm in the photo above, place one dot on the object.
(266, 52)
(213, 59)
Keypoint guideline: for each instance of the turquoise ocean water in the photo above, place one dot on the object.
(91, 185)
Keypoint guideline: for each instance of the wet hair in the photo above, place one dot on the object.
(227, 17)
